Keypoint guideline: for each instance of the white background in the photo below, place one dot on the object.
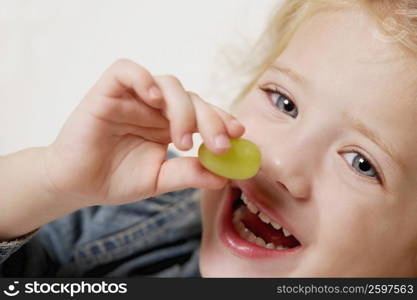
(52, 51)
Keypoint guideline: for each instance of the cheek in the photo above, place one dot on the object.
(348, 209)
(366, 226)
(210, 251)
(256, 116)
(343, 214)
(351, 228)
(210, 206)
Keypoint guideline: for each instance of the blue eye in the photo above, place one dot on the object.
(282, 102)
(361, 164)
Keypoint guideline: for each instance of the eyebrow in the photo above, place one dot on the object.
(288, 72)
(373, 136)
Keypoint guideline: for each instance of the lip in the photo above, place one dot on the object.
(239, 246)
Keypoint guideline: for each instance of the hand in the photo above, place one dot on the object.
(113, 148)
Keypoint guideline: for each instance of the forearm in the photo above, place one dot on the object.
(27, 200)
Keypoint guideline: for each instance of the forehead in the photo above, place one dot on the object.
(349, 66)
(347, 47)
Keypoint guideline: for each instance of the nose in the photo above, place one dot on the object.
(297, 184)
(292, 164)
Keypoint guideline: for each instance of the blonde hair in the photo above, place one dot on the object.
(397, 20)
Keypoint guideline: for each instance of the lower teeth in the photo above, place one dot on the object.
(248, 235)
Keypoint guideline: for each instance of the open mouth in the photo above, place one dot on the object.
(256, 227)
(251, 232)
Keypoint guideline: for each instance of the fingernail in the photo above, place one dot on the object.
(154, 92)
(221, 141)
(236, 123)
(187, 140)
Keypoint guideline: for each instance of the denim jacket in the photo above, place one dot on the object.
(158, 237)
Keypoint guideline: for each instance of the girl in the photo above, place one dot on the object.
(332, 106)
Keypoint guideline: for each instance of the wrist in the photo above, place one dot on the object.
(47, 183)
(27, 199)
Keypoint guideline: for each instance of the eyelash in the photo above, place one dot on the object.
(378, 173)
(271, 91)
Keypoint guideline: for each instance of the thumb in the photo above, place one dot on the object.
(186, 172)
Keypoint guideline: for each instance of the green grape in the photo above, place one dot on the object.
(242, 161)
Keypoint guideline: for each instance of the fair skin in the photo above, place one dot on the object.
(112, 150)
(347, 221)
(349, 224)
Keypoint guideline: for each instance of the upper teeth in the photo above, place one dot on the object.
(253, 209)
(244, 198)
(264, 218)
(285, 231)
(248, 235)
(276, 225)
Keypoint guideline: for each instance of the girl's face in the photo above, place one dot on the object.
(335, 119)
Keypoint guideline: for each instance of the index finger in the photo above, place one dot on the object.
(179, 110)
(124, 75)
